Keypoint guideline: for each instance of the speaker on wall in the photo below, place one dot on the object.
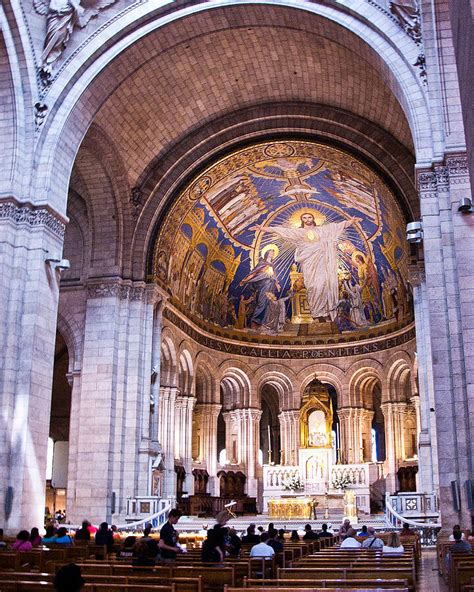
(468, 485)
(456, 495)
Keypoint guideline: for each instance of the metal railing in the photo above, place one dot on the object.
(427, 530)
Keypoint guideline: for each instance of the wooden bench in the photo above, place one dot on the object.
(327, 583)
(316, 589)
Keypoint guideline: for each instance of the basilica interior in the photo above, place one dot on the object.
(234, 260)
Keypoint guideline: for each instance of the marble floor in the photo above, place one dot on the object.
(429, 580)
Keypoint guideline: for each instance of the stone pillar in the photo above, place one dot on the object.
(427, 475)
(29, 288)
(247, 422)
(448, 248)
(166, 437)
(209, 413)
(232, 428)
(353, 421)
(345, 435)
(390, 446)
(74, 379)
(367, 416)
(184, 406)
(114, 400)
(290, 436)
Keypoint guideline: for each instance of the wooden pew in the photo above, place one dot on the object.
(314, 589)
(327, 583)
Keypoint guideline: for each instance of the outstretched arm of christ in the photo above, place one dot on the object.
(283, 231)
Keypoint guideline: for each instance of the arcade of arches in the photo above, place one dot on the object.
(240, 309)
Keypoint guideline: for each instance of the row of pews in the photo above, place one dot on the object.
(456, 569)
(312, 565)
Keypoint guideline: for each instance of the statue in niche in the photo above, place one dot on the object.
(316, 416)
(62, 16)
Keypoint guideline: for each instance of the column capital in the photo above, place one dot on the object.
(289, 414)
(416, 274)
(212, 409)
(415, 401)
(156, 295)
(32, 216)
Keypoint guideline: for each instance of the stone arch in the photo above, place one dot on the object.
(168, 360)
(185, 372)
(327, 373)
(206, 387)
(73, 337)
(399, 378)
(60, 148)
(362, 377)
(236, 388)
(281, 379)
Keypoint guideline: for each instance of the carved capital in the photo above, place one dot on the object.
(135, 292)
(416, 274)
(31, 216)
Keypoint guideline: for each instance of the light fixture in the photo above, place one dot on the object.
(59, 263)
(414, 232)
(465, 205)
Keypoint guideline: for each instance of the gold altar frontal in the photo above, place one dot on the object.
(294, 507)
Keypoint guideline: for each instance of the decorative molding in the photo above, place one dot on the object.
(41, 110)
(295, 352)
(33, 217)
(416, 274)
(117, 289)
(407, 15)
(136, 199)
(421, 64)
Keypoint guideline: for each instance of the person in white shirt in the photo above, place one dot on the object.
(262, 549)
(451, 536)
(393, 544)
(350, 542)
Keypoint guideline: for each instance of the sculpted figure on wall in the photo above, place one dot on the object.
(62, 16)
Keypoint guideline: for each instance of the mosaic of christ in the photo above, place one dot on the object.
(286, 238)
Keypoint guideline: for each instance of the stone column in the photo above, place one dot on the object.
(345, 435)
(390, 447)
(184, 406)
(29, 288)
(74, 380)
(427, 475)
(290, 436)
(248, 424)
(367, 416)
(232, 450)
(448, 248)
(209, 413)
(166, 437)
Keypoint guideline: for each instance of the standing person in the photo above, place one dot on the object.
(168, 544)
(104, 536)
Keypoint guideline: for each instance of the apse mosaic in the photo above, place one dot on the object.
(286, 238)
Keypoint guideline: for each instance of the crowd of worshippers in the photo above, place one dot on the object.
(221, 541)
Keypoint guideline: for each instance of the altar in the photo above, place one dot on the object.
(291, 508)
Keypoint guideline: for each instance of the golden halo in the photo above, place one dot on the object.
(269, 247)
(354, 255)
(295, 217)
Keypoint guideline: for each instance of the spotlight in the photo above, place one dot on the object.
(414, 232)
(465, 205)
(59, 263)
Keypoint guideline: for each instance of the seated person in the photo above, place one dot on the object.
(309, 534)
(251, 537)
(262, 549)
(2, 542)
(350, 542)
(141, 555)
(69, 579)
(62, 537)
(35, 538)
(407, 532)
(324, 531)
(363, 533)
(234, 544)
(460, 545)
(151, 542)
(281, 534)
(126, 552)
(83, 534)
(211, 551)
(455, 528)
(372, 541)
(22, 542)
(50, 536)
(273, 541)
(115, 534)
(393, 544)
(294, 536)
